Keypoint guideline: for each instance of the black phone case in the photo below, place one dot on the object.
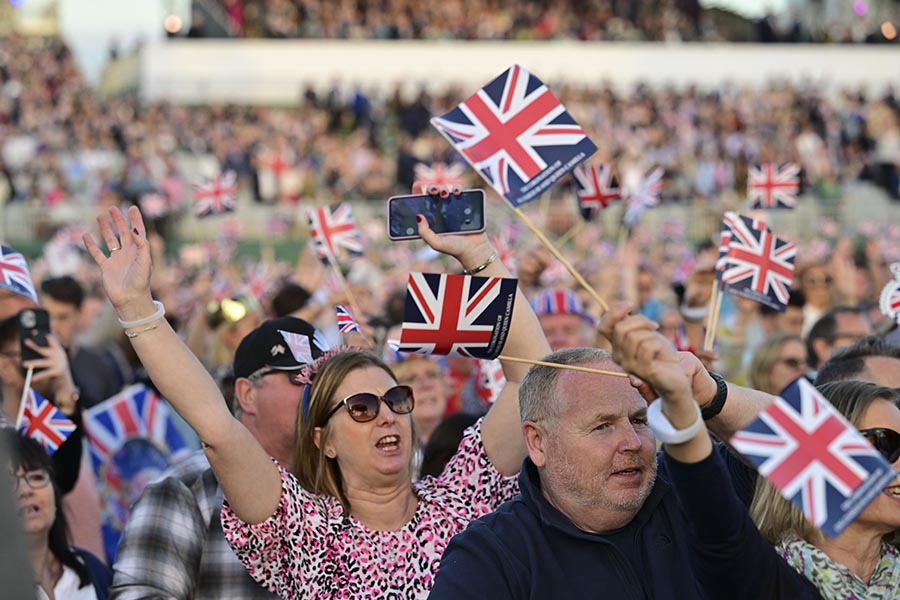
(34, 325)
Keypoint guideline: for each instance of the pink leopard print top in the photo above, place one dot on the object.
(307, 549)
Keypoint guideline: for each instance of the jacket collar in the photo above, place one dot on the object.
(550, 516)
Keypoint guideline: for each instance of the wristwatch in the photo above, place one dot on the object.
(715, 407)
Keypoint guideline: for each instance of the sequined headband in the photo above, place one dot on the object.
(308, 372)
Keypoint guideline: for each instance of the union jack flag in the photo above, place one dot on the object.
(217, 195)
(771, 186)
(42, 421)
(346, 322)
(595, 187)
(728, 220)
(517, 135)
(644, 196)
(759, 265)
(437, 174)
(258, 281)
(815, 457)
(14, 274)
(462, 315)
(489, 380)
(132, 439)
(334, 231)
(889, 302)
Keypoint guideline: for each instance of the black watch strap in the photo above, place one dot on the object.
(715, 407)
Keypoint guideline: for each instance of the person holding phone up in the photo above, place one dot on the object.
(52, 379)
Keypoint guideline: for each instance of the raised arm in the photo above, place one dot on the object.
(248, 477)
(501, 430)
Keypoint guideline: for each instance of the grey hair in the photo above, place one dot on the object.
(538, 398)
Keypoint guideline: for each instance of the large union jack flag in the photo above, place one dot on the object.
(463, 315)
(517, 135)
(437, 175)
(42, 421)
(771, 186)
(14, 275)
(334, 232)
(217, 195)
(759, 265)
(814, 457)
(595, 187)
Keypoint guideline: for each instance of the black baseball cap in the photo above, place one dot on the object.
(284, 344)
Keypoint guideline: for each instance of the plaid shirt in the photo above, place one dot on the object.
(173, 546)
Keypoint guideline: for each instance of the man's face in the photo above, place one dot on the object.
(849, 327)
(566, 331)
(601, 454)
(63, 319)
(11, 303)
(882, 370)
(789, 321)
(10, 364)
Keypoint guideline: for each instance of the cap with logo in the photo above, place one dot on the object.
(559, 302)
(285, 343)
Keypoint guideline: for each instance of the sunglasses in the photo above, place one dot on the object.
(886, 441)
(364, 407)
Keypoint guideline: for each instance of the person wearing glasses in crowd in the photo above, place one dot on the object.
(173, 545)
(778, 362)
(864, 561)
(61, 571)
(346, 521)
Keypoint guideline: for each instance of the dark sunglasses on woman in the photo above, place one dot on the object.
(886, 441)
(364, 407)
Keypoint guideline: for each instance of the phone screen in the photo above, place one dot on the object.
(457, 213)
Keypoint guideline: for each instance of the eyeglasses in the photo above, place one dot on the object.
(364, 407)
(886, 441)
(35, 479)
(817, 281)
(793, 363)
(293, 375)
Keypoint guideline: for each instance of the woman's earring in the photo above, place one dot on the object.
(330, 453)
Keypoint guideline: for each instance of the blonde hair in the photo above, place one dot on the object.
(764, 360)
(779, 519)
(314, 470)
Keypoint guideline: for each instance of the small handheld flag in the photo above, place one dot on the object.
(815, 458)
(595, 188)
(517, 135)
(462, 315)
(346, 322)
(14, 274)
(771, 186)
(217, 195)
(889, 302)
(42, 421)
(334, 232)
(645, 196)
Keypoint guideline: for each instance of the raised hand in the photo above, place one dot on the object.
(126, 271)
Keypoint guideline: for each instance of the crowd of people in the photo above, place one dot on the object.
(595, 20)
(330, 465)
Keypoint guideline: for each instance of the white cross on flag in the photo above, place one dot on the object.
(771, 186)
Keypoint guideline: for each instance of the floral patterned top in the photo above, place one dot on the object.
(309, 549)
(837, 582)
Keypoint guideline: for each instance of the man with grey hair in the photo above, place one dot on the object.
(595, 518)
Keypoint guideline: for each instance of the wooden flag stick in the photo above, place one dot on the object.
(572, 232)
(332, 261)
(712, 319)
(542, 363)
(27, 387)
(543, 239)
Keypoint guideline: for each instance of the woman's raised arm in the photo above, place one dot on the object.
(248, 477)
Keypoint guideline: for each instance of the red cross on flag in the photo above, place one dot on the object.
(771, 186)
(595, 187)
(42, 421)
(334, 232)
(217, 195)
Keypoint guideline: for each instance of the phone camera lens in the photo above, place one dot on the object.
(468, 211)
(410, 231)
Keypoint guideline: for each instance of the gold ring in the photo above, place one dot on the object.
(111, 250)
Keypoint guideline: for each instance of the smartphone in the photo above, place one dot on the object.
(34, 325)
(457, 213)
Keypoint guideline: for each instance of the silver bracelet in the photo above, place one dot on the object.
(159, 314)
(663, 429)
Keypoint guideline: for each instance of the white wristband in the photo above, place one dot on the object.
(159, 314)
(663, 429)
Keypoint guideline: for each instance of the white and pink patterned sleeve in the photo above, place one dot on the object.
(471, 483)
(272, 551)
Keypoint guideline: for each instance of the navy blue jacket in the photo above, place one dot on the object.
(528, 549)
